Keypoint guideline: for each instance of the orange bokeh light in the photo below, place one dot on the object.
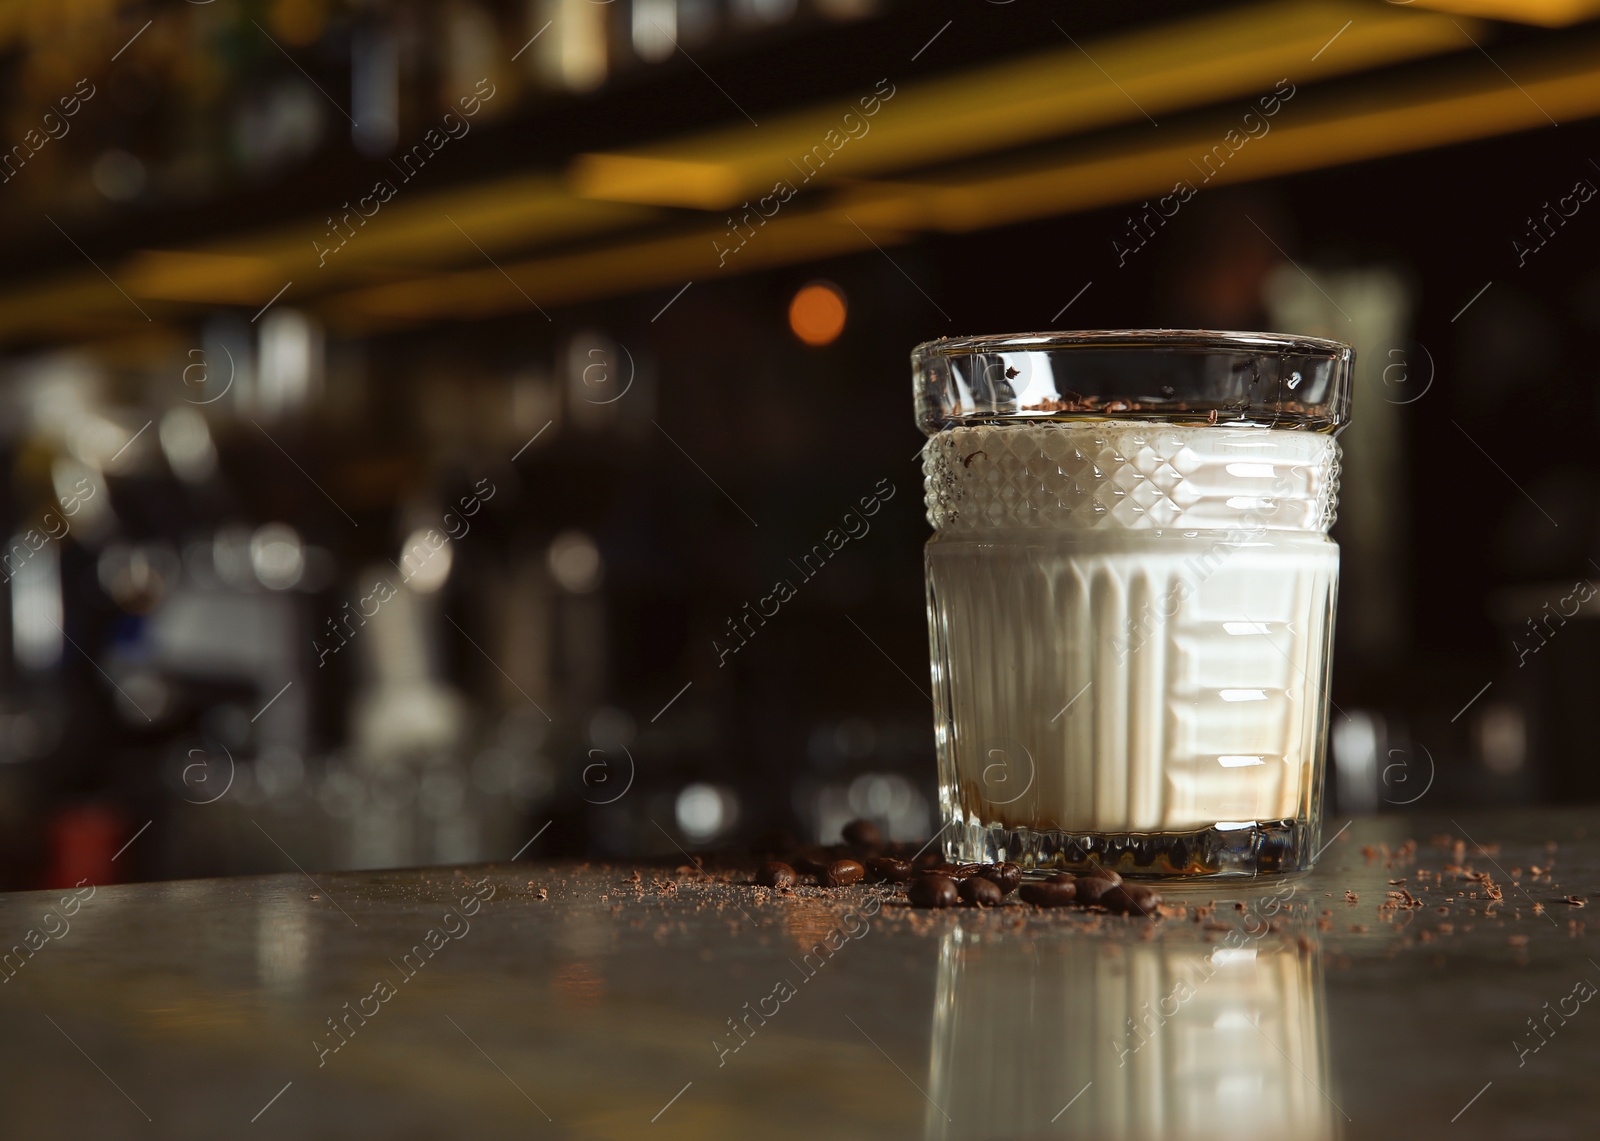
(817, 313)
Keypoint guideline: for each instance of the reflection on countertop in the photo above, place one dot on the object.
(1170, 1038)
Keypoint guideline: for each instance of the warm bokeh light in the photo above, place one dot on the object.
(817, 313)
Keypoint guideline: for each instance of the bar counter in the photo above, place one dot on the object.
(1429, 979)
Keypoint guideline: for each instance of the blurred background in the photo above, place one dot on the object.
(411, 410)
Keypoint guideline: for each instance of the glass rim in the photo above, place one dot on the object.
(1196, 340)
(1173, 376)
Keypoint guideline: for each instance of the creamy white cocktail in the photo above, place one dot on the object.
(1130, 624)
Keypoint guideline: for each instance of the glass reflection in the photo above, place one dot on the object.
(1176, 1038)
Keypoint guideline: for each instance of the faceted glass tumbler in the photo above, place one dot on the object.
(1131, 595)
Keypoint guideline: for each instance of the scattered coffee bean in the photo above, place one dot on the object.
(929, 860)
(1132, 899)
(841, 873)
(1099, 873)
(777, 874)
(862, 834)
(1049, 894)
(932, 891)
(889, 869)
(1092, 889)
(1062, 877)
(1007, 877)
(981, 890)
(962, 871)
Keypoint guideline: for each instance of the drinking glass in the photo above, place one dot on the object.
(1131, 595)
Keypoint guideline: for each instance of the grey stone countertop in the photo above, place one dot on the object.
(1430, 979)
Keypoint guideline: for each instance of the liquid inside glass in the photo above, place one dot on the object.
(1129, 627)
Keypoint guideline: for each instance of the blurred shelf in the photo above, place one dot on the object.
(1037, 135)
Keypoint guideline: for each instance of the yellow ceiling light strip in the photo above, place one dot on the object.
(564, 279)
(1547, 13)
(188, 275)
(1363, 126)
(369, 232)
(73, 306)
(439, 229)
(1128, 77)
(1368, 124)
(405, 235)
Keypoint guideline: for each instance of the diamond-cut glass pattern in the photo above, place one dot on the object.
(1078, 476)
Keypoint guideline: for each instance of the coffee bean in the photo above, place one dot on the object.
(842, 873)
(889, 869)
(862, 834)
(1100, 873)
(1062, 877)
(962, 871)
(777, 874)
(1007, 877)
(1049, 894)
(1132, 899)
(932, 891)
(980, 890)
(1092, 889)
(928, 860)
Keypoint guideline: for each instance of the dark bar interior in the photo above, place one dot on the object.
(479, 433)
